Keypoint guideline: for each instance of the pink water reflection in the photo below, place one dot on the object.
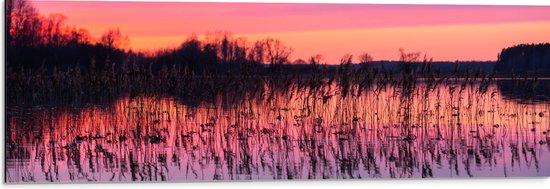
(445, 132)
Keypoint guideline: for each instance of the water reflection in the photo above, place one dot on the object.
(446, 130)
(525, 90)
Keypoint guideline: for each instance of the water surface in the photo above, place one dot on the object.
(444, 131)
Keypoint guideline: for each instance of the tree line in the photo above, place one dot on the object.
(38, 41)
(525, 58)
(34, 40)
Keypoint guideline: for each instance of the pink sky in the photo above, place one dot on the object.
(444, 32)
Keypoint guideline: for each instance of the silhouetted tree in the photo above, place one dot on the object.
(45, 42)
(239, 51)
(53, 30)
(257, 53)
(407, 60)
(276, 52)
(191, 53)
(365, 58)
(78, 36)
(112, 38)
(24, 23)
(218, 43)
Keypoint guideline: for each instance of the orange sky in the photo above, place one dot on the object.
(444, 32)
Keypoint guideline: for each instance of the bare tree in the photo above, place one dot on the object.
(79, 36)
(239, 50)
(52, 29)
(276, 53)
(365, 58)
(256, 53)
(229, 49)
(408, 57)
(23, 23)
(407, 60)
(114, 39)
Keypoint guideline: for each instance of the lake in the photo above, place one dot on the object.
(430, 130)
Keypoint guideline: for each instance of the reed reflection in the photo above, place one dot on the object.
(422, 129)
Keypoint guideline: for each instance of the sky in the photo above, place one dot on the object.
(442, 32)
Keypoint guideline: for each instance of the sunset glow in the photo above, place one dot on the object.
(442, 32)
